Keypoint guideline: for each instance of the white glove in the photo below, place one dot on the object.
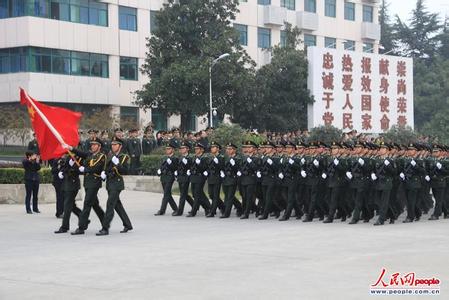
(176, 173)
(282, 160)
(184, 161)
(159, 172)
(402, 175)
(361, 161)
(115, 160)
(239, 173)
(249, 160)
(349, 175)
(303, 174)
(336, 162)
(427, 178)
(303, 160)
(197, 161)
(188, 172)
(232, 162)
(71, 162)
(60, 175)
(439, 166)
(386, 162)
(258, 174)
(316, 163)
(205, 173)
(291, 161)
(216, 160)
(324, 176)
(269, 161)
(169, 161)
(81, 169)
(413, 162)
(103, 175)
(222, 174)
(281, 176)
(373, 176)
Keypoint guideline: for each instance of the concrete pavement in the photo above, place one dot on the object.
(169, 257)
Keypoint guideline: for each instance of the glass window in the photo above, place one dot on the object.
(330, 8)
(17, 8)
(263, 38)
(41, 8)
(60, 10)
(349, 45)
(309, 40)
(283, 38)
(368, 47)
(80, 63)
(330, 42)
(128, 18)
(99, 65)
(98, 13)
(128, 68)
(310, 5)
(264, 2)
(153, 20)
(4, 9)
(349, 11)
(289, 4)
(159, 119)
(367, 13)
(243, 32)
(60, 60)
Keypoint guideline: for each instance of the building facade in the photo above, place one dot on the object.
(86, 54)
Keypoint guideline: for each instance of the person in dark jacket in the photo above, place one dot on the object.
(57, 184)
(33, 146)
(32, 165)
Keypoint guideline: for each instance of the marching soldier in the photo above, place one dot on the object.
(68, 172)
(198, 177)
(230, 180)
(247, 173)
(216, 164)
(184, 165)
(116, 167)
(167, 171)
(134, 151)
(289, 170)
(269, 171)
(437, 171)
(93, 164)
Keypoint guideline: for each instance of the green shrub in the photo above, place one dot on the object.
(16, 175)
(150, 163)
(325, 134)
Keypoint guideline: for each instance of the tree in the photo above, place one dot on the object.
(281, 97)
(400, 135)
(14, 122)
(444, 40)
(326, 134)
(387, 39)
(98, 119)
(189, 35)
(419, 37)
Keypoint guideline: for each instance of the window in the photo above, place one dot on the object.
(60, 61)
(60, 10)
(350, 11)
(4, 9)
(367, 13)
(40, 60)
(263, 38)
(330, 8)
(330, 42)
(153, 20)
(13, 60)
(309, 40)
(283, 38)
(243, 33)
(264, 2)
(349, 45)
(310, 5)
(79, 11)
(98, 13)
(80, 63)
(289, 4)
(98, 65)
(128, 68)
(128, 18)
(159, 119)
(368, 47)
(129, 114)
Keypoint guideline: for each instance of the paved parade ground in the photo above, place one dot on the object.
(197, 258)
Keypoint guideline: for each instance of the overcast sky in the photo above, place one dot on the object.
(403, 8)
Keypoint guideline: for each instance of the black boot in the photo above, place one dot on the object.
(159, 213)
(379, 222)
(328, 220)
(78, 231)
(433, 218)
(353, 221)
(284, 218)
(61, 230)
(126, 229)
(103, 231)
(263, 217)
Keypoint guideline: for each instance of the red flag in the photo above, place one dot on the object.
(52, 126)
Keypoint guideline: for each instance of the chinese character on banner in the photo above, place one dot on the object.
(328, 61)
(383, 67)
(328, 118)
(385, 123)
(347, 63)
(384, 85)
(402, 87)
(366, 65)
(366, 102)
(328, 81)
(347, 103)
(402, 105)
(347, 82)
(384, 104)
(366, 83)
(401, 69)
(328, 98)
(402, 121)
(366, 122)
(347, 121)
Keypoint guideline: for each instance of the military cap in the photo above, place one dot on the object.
(313, 145)
(412, 146)
(133, 130)
(249, 144)
(437, 148)
(199, 145)
(215, 144)
(185, 144)
(301, 144)
(118, 129)
(290, 145)
(96, 141)
(175, 130)
(270, 144)
(172, 144)
(280, 145)
(360, 144)
(92, 130)
(116, 140)
(335, 145)
(231, 145)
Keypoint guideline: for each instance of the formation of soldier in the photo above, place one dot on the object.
(359, 180)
